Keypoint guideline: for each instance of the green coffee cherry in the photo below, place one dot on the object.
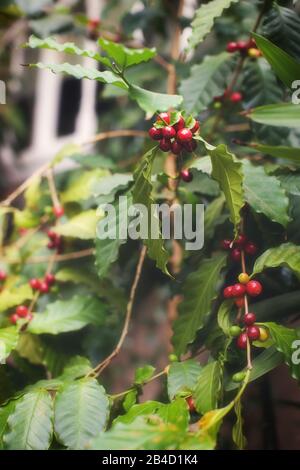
(48, 210)
(173, 358)
(235, 330)
(239, 377)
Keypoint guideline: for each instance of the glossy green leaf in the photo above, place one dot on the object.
(14, 296)
(286, 254)
(152, 102)
(224, 317)
(143, 374)
(30, 425)
(5, 412)
(81, 413)
(81, 185)
(282, 115)
(81, 226)
(182, 377)
(8, 341)
(208, 387)
(111, 184)
(68, 315)
(204, 20)
(280, 151)
(265, 195)
(124, 56)
(200, 289)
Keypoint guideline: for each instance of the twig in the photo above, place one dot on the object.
(52, 187)
(58, 258)
(100, 367)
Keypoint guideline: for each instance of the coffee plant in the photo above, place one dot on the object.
(219, 126)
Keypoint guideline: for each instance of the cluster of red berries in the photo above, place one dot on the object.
(43, 286)
(176, 137)
(241, 243)
(21, 312)
(55, 241)
(250, 332)
(244, 48)
(243, 287)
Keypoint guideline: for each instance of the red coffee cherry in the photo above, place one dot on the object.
(22, 311)
(35, 284)
(251, 43)
(176, 147)
(195, 127)
(238, 290)
(58, 211)
(236, 254)
(242, 45)
(184, 135)
(168, 132)
(180, 124)
(155, 134)
(50, 279)
(249, 318)
(44, 287)
(236, 97)
(186, 176)
(227, 292)
(3, 276)
(253, 332)
(242, 341)
(240, 241)
(164, 117)
(254, 288)
(191, 404)
(232, 47)
(165, 145)
(190, 146)
(14, 318)
(250, 248)
(226, 244)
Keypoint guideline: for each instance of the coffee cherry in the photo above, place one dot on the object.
(239, 377)
(51, 245)
(235, 330)
(50, 279)
(249, 319)
(184, 135)
(242, 45)
(238, 290)
(155, 134)
(253, 332)
(236, 254)
(22, 311)
(263, 334)
(240, 241)
(254, 53)
(227, 292)
(165, 145)
(180, 124)
(173, 358)
(226, 244)
(191, 404)
(190, 146)
(232, 47)
(168, 132)
(58, 211)
(236, 97)
(242, 341)
(44, 287)
(239, 302)
(3, 276)
(35, 284)
(176, 148)
(254, 288)
(164, 117)
(14, 318)
(51, 235)
(195, 127)
(186, 175)
(250, 248)
(243, 278)
(251, 43)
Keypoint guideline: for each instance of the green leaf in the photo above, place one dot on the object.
(224, 317)
(141, 194)
(123, 56)
(286, 254)
(111, 184)
(265, 195)
(152, 102)
(81, 413)
(280, 151)
(182, 377)
(79, 72)
(208, 387)
(5, 412)
(8, 341)
(67, 151)
(290, 182)
(282, 26)
(285, 66)
(237, 430)
(206, 81)
(81, 185)
(227, 170)
(14, 296)
(282, 114)
(85, 276)
(30, 425)
(284, 339)
(143, 374)
(76, 367)
(81, 226)
(33, 194)
(68, 315)
(107, 249)
(199, 292)
(66, 48)
(204, 20)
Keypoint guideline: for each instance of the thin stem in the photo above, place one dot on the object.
(100, 367)
(249, 361)
(58, 258)
(52, 187)
(125, 392)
